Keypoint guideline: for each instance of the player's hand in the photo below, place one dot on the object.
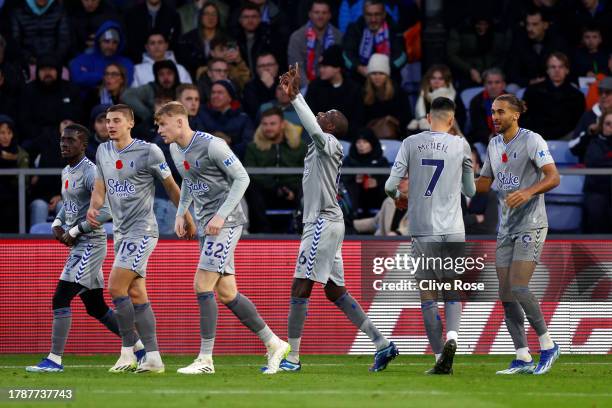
(92, 217)
(401, 203)
(190, 227)
(214, 225)
(290, 82)
(53, 202)
(68, 240)
(58, 233)
(517, 198)
(179, 226)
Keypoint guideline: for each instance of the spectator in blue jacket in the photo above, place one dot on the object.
(87, 69)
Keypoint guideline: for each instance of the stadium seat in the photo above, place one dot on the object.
(559, 149)
(564, 204)
(520, 93)
(468, 94)
(108, 227)
(482, 151)
(42, 228)
(390, 149)
(346, 146)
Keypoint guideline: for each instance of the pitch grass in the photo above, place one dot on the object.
(325, 381)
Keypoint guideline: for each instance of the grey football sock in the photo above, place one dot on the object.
(62, 318)
(110, 321)
(145, 324)
(515, 323)
(531, 306)
(246, 312)
(298, 310)
(208, 321)
(124, 313)
(452, 314)
(351, 308)
(433, 325)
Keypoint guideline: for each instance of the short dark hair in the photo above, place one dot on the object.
(493, 71)
(326, 2)
(81, 131)
(273, 111)
(249, 6)
(591, 28)
(157, 31)
(516, 104)
(218, 40)
(373, 3)
(123, 108)
(534, 11)
(561, 57)
(442, 104)
(184, 87)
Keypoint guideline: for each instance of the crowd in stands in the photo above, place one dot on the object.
(65, 62)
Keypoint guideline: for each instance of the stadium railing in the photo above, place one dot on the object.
(21, 175)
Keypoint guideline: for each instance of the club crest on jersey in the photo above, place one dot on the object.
(230, 160)
(197, 188)
(526, 240)
(507, 181)
(70, 207)
(116, 187)
(132, 164)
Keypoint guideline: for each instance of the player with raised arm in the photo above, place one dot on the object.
(439, 167)
(126, 169)
(520, 163)
(82, 274)
(214, 179)
(320, 254)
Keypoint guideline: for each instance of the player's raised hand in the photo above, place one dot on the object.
(517, 198)
(214, 225)
(290, 81)
(92, 217)
(179, 226)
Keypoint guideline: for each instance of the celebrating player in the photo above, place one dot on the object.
(519, 160)
(82, 274)
(439, 167)
(125, 175)
(320, 255)
(215, 180)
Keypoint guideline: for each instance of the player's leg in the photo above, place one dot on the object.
(301, 290)
(146, 325)
(62, 319)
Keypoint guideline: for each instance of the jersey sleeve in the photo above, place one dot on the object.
(220, 153)
(323, 141)
(467, 158)
(399, 169)
(99, 171)
(538, 151)
(90, 178)
(157, 163)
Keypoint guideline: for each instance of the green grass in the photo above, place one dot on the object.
(325, 381)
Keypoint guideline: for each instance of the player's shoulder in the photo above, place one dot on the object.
(529, 136)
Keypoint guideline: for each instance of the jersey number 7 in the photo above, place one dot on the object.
(439, 165)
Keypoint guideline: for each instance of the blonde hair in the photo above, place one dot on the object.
(443, 70)
(370, 92)
(172, 108)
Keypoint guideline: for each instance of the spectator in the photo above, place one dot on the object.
(351, 10)
(386, 108)
(595, 13)
(239, 73)
(308, 42)
(436, 82)
(276, 143)
(11, 156)
(110, 90)
(480, 211)
(590, 59)
(87, 69)
(274, 17)
(99, 132)
(367, 192)
(85, 19)
(555, 105)
(262, 88)
(592, 95)
(189, 96)
(195, 45)
(231, 124)
(474, 47)
(254, 37)
(152, 15)
(11, 82)
(156, 50)
(282, 102)
(216, 70)
(142, 99)
(389, 221)
(333, 91)
(190, 13)
(40, 27)
(481, 120)
(587, 125)
(531, 47)
(45, 102)
(373, 33)
(597, 191)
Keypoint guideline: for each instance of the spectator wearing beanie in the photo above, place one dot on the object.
(386, 108)
(224, 119)
(87, 69)
(331, 90)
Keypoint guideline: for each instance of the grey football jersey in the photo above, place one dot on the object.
(209, 168)
(435, 163)
(128, 175)
(77, 185)
(516, 166)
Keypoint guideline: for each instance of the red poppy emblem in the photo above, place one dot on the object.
(66, 184)
(504, 158)
(186, 164)
(119, 164)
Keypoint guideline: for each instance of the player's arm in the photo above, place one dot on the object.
(174, 193)
(468, 187)
(227, 161)
(485, 180)
(398, 172)
(96, 202)
(185, 200)
(57, 226)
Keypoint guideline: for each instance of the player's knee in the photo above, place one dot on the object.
(60, 300)
(521, 293)
(301, 288)
(94, 303)
(333, 292)
(226, 297)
